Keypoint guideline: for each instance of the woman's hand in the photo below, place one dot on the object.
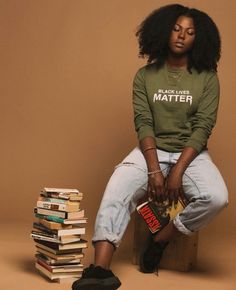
(156, 188)
(173, 187)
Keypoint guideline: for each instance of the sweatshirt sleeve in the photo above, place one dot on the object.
(205, 117)
(143, 119)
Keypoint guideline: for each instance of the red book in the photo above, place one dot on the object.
(156, 216)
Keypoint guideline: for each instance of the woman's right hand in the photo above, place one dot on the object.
(156, 187)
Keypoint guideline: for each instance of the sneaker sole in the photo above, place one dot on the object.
(144, 270)
(112, 283)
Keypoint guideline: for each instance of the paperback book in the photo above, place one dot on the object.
(157, 215)
(57, 213)
(61, 220)
(55, 205)
(62, 193)
(58, 255)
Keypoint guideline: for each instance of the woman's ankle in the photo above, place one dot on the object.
(104, 251)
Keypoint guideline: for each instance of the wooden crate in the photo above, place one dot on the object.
(180, 254)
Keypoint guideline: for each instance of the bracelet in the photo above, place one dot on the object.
(153, 172)
(149, 148)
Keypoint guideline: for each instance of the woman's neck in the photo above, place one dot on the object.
(177, 61)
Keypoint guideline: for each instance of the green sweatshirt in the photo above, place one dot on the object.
(175, 107)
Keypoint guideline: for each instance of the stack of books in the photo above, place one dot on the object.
(57, 234)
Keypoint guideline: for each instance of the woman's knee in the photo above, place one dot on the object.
(218, 202)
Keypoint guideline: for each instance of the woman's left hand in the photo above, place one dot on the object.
(173, 186)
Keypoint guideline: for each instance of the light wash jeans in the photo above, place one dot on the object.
(203, 185)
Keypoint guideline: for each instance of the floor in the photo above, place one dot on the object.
(216, 264)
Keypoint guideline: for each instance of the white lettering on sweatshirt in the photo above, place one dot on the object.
(173, 96)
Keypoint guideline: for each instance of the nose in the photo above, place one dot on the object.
(181, 34)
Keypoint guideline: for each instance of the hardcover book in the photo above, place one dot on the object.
(157, 215)
(54, 276)
(58, 255)
(60, 232)
(76, 246)
(56, 251)
(60, 268)
(51, 261)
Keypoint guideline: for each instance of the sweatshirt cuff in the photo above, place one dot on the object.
(195, 144)
(145, 131)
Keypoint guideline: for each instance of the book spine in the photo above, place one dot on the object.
(50, 218)
(40, 227)
(54, 195)
(43, 270)
(49, 235)
(43, 258)
(43, 238)
(43, 211)
(60, 190)
(45, 265)
(149, 217)
(50, 225)
(53, 200)
(52, 206)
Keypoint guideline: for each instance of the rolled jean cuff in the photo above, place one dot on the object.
(181, 227)
(109, 238)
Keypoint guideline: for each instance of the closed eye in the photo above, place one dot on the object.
(191, 32)
(178, 28)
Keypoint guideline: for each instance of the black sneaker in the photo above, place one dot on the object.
(151, 255)
(97, 278)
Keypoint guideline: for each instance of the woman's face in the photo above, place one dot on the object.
(182, 36)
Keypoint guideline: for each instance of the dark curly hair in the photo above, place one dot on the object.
(154, 33)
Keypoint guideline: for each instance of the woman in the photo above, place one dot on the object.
(175, 99)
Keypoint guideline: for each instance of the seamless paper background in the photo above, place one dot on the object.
(65, 109)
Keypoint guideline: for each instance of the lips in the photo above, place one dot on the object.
(179, 44)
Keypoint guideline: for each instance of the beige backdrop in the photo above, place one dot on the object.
(66, 70)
